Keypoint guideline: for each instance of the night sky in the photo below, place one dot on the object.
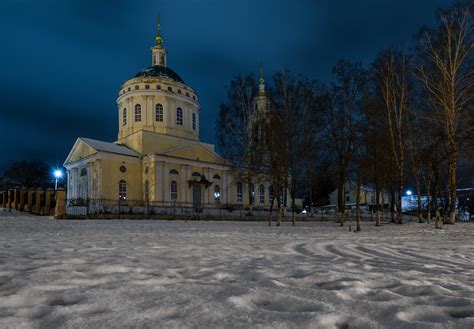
(63, 61)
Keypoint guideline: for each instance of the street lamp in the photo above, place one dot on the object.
(409, 192)
(57, 175)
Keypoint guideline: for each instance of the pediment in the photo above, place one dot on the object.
(79, 151)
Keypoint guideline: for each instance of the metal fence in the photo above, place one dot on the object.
(107, 208)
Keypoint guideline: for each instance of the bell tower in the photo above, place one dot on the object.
(158, 52)
(258, 121)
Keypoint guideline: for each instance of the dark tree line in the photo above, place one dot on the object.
(407, 119)
(26, 174)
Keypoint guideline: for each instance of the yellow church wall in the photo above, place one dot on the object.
(145, 142)
(111, 176)
(197, 153)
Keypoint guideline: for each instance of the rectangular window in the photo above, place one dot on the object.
(122, 190)
(194, 121)
(138, 113)
(159, 113)
(239, 192)
(174, 191)
(179, 116)
(124, 117)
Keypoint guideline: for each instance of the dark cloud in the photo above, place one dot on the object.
(63, 61)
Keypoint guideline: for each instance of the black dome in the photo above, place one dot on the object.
(159, 72)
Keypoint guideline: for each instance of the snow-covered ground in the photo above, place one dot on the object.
(165, 274)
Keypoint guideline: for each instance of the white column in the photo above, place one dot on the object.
(98, 179)
(169, 113)
(225, 188)
(69, 184)
(74, 184)
(183, 184)
(166, 183)
(145, 109)
(189, 190)
(90, 174)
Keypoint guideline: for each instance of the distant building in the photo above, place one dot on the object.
(158, 156)
(367, 196)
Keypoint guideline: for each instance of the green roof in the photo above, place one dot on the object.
(159, 72)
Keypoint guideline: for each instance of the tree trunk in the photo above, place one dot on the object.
(447, 201)
(358, 206)
(279, 209)
(418, 195)
(340, 198)
(311, 208)
(428, 212)
(250, 213)
(293, 206)
(377, 206)
(392, 207)
(438, 222)
(399, 200)
(270, 212)
(452, 185)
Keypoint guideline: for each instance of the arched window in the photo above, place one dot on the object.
(122, 190)
(124, 117)
(216, 176)
(159, 113)
(271, 194)
(147, 191)
(194, 121)
(196, 174)
(179, 116)
(239, 192)
(136, 87)
(84, 172)
(138, 113)
(158, 87)
(217, 194)
(174, 172)
(170, 89)
(147, 86)
(174, 191)
(262, 193)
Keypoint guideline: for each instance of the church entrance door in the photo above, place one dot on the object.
(197, 196)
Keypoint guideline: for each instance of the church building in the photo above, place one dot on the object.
(158, 157)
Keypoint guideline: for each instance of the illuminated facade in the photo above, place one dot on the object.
(158, 156)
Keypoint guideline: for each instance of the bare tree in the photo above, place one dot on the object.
(392, 70)
(277, 161)
(446, 74)
(347, 90)
(234, 131)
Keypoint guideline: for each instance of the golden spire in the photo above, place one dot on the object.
(262, 80)
(159, 38)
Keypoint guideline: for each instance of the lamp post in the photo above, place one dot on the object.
(57, 175)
